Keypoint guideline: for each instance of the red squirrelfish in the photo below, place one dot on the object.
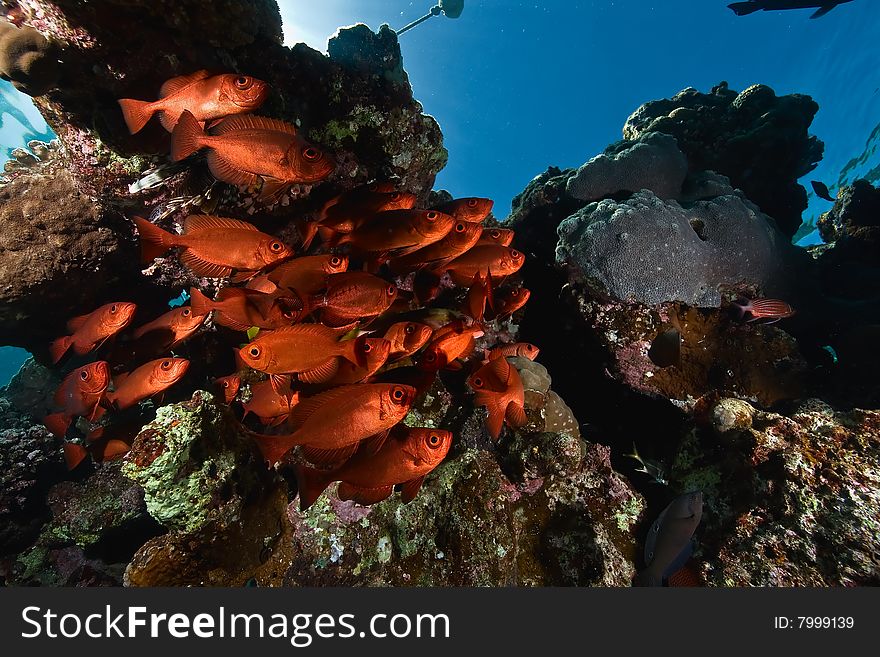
(351, 297)
(308, 350)
(453, 341)
(521, 349)
(207, 97)
(375, 354)
(772, 309)
(214, 246)
(78, 395)
(269, 405)
(498, 386)
(229, 386)
(308, 275)
(175, 326)
(502, 236)
(146, 381)
(407, 338)
(246, 150)
(240, 308)
(332, 423)
(405, 458)
(486, 260)
(348, 210)
(505, 302)
(398, 232)
(473, 209)
(460, 239)
(91, 330)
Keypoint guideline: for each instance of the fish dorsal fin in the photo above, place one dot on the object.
(202, 267)
(410, 489)
(363, 496)
(174, 85)
(326, 457)
(501, 370)
(76, 323)
(308, 329)
(307, 407)
(198, 222)
(250, 122)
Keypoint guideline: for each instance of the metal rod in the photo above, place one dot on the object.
(434, 12)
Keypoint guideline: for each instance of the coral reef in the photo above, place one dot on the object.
(27, 59)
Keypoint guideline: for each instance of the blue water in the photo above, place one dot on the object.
(518, 86)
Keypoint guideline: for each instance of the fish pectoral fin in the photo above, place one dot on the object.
(272, 188)
(321, 374)
(223, 169)
(243, 276)
(516, 415)
(363, 496)
(201, 267)
(326, 457)
(181, 81)
(334, 320)
(280, 383)
(373, 444)
(410, 489)
(197, 222)
(496, 412)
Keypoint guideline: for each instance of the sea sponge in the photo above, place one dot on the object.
(27, 59)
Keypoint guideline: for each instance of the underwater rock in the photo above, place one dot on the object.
(652, 162)
(855, 215)
(789, 501)
(757, 139)
(648, 250)
(32, 388)
(27, 59)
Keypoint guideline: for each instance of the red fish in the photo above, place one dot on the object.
(332, 423)
(175, 326)
(407, 338)
(347, 211)
(498, 386)
(486, 260)
(308, 275)
(207, 97)
(772, 309)
(375, 354)
(522, 349)
(506, 302)
(450, 343)
(351, 297)
(269, 405)
(78, 395)
(502, 236)
(239, 308)
(246, 150)
(479, 293)
(111, 442)
(229, 385)
(74, 454)
(405, 458)
(308, 350)
(146, 381)
(90, 331)
(460, 239)
(473, 209)
(214, 246)
(398, 232)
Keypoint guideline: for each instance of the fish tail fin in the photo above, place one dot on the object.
(310, 483)
(739, 308)
(329, 237)
(273, 448)
(74, 454)
(186, 138)
(136, 113)
(307, 230)
(57, 424)
(200, 304)
(154, 240)
(744, 8)
(59, 347)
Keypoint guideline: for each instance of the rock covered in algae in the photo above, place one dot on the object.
(789, 500)
(27, 59)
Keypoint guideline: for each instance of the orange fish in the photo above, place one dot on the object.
(229, 385)
(332, 423)
(245, 150)
(214, 246)
(74, 454)
(499, 388)
(502, 236)
(270, 406)
(473, 209)
(308, 275)
(348, 210)
(407, 338)
(101, 451)
(207, 97)
(399, 232)
(506, 302)
(460, 239)
(308, 350)
(351, 297)
(405, 458)
(375, 354)
(486, 260)
(240, 308)
(453, 341)
(78, 395)
(90, 331)
(146, 381)
(111, 442)
(522, 349)
(772, 309)
(479, 293)
(175, 326)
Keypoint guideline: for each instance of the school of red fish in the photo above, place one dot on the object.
(343, 333)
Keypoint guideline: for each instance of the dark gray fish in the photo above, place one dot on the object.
(823, 6)
(668, 545)
(821, 190)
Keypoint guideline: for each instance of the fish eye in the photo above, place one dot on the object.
(226, 384)
(335, 261)
(431, 215)
(395, 196)
(367, 347)
(242, 82)
(311, 153)
(409, 329)
(459, 228)
(276, 246)
(515, 254)
(495, 234)
(478, 382)
(166, 364)
(434, 440)
(186, 312)
(254, 352)
(84, 375)
(397, 394)
(113, 308)
(472, 203)
(392, 289)
(430, 356)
